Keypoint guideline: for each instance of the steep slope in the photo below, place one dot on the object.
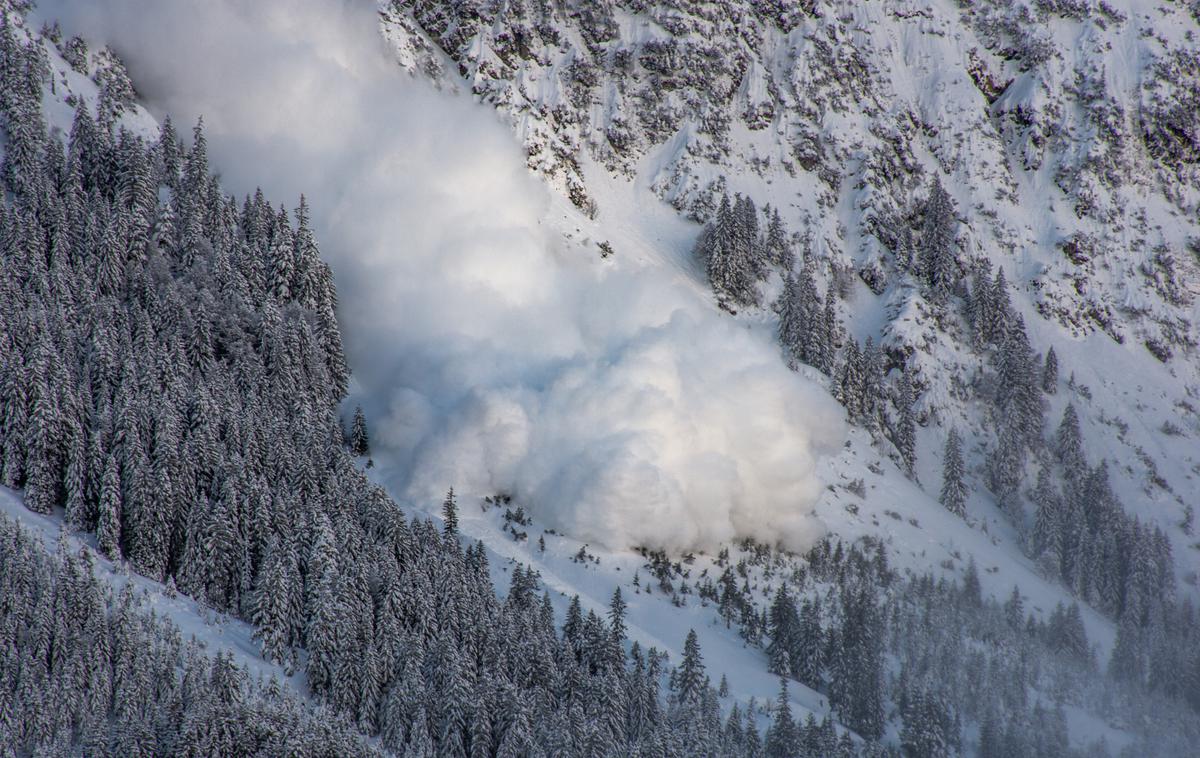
(1058, 130)
(170, 372)
(939, 655)
(84, 639)
(1062, 134)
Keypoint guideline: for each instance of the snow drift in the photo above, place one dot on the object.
(490, 353)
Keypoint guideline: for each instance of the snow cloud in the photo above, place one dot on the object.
(489, 353)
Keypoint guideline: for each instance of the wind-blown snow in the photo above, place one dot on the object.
(490, 353)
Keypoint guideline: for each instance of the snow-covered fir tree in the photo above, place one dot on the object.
(939, 242)
(359, 442)
(904, 431)
(954, 488)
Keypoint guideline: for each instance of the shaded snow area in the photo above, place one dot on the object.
(491, 351)
(216, 632)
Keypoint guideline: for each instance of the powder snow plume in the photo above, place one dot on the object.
(489, 354)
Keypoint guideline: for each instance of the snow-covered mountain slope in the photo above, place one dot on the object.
(835, 114)
(1064, 132)
(1081, 188)
(178, 677)
(916, 531)
(216, 632)
(1080, 110)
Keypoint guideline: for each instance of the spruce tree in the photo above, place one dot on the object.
(322, 608)
(450, 516)
(746, 238)
(905, 431)
(754, 746)
(981, 308)
(1014, 609)
(689, 680)
(1047, 521)
(972, 590)
(808, 645)
(1005, 465)
(954, 489)
(616, 614)
(850, 384)
(873, 398)
(283, 258)
(778, 249)
(108, 527)
(1069, 444)
(307, 286)
(782, 739)
(272, 614)
(824, 339)
(1003, 315)
(810, 315)
(45, 435)
(195, 170)
(783, 627)
(939, 240)
(929, 728)
(359, 443)
(1018, 395)
(1050, 373)
(793, 322)
(168, 154)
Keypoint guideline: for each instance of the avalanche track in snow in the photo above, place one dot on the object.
(492, 352)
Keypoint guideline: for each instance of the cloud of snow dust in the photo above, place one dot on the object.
(489, 353)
